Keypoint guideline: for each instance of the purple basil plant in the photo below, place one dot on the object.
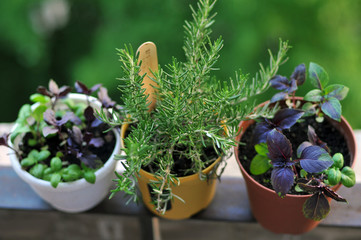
(311, 169)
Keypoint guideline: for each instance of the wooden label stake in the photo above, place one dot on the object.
(148, 55)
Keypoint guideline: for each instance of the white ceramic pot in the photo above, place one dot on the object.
(77, 196)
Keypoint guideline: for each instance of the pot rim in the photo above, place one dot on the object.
(64, 186)
(245, 173)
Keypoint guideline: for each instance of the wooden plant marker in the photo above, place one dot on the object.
(148, 55)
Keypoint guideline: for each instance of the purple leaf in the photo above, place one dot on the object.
(96, 123)
(293, 86)
(309, 188)
(63, 91)
(280, 82)
(261, 131)
(42, 90)
(315, 159)
(332, 108)
(302, 147)
(87, 137)
(282, 180)
(332, 194)
(4, 140)
(95, 88)
(69, 116)
(96, 142)
(316, 207)
(53, 87)
(104, 98)
(89, 159)
(77, 135)
(279, 147)
(89, 114)
(279, 96)
(287, 117)
(49, 117)
(299, 74)
(81, 88)
(315, 140)
(49, 130)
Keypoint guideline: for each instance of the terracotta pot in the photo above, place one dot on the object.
(196, 194)
(284, 215)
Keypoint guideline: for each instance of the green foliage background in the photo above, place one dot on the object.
(82, 47)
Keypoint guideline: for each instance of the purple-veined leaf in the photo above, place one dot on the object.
(261, 131)
(96, 142)
(104, 98)
(332, 194)
(282, 179)
(287, 117)
(95, 87)
(337, 91)
(314, 95)
(47, 130)
(280, 82)
(318, 76)
(332, 108)
(82, 88)
(49, 117)
(299, 74)
(301, 147)
(53, 87)
(279, 147)
(315, 159)
(279, 96)
(316, 207)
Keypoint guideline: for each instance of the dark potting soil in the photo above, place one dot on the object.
(103, 153)
(297, 134)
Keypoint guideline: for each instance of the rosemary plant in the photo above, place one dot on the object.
(196, 115)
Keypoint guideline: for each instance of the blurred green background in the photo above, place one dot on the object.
(70, 40)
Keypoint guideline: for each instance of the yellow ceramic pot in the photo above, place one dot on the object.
(195, 193)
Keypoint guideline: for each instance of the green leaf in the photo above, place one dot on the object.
(37, 97)
(55, 164)
(24, 113)
(38, 113)
(43, 155)
(89, 176)
(337, 91)
(55, 179)
(19, 130)
(316, 207)
(338, 160)
(318, 76)
(348, 177)
(27, 162)
(314, 96)
(334, 176)
(72, 173)
(38, 170)
(309, 109)
(261, 149)
(332, 108)
(303, 173)
(260, 164)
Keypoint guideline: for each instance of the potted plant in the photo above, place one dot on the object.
(60, 148)
(178, 146)
(294, 160)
